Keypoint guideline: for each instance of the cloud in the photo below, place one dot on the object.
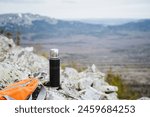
(79, 8)
(69, 1)
(21, 1)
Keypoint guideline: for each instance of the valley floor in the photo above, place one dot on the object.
(127, 55)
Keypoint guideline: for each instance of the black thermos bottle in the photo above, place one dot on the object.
(54, 68)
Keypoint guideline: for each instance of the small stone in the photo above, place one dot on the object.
(53, 95)
(97, 83)
(93, 68)
(108, 89)
(84, 83)
(71, 73)
(69, 88)
(29, 49)
(144, 98)
(112, 96)
(93, 94)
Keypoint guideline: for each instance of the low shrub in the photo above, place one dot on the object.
(124, 92)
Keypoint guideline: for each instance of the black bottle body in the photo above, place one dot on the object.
(54, 70)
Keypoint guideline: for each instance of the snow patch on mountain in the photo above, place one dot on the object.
(24, 19)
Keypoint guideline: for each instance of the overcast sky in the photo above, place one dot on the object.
(77, 9)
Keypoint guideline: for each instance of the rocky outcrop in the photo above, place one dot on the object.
(18, 63)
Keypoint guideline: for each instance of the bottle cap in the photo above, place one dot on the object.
(54, 53)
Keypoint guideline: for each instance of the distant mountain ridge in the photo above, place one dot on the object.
(41, 25)
(110, 21)
(141, 25)
(24, 19)
(45, 27)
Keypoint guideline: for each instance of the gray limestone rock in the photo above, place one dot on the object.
(83, 83)
(71, 73)
(107, 89)
(92, 94)
(5, 45)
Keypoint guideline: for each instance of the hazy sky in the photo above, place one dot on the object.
(79, 8)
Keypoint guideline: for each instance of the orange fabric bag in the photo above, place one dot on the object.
(20, 90)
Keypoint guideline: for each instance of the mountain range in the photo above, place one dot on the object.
(44, 27)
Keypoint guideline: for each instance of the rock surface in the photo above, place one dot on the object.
(17, 63)
(144, 98)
